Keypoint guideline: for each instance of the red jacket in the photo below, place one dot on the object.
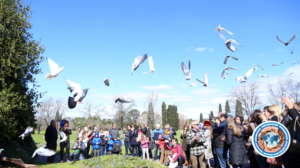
(179, 151)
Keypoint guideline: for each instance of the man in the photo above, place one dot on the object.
(196, 138)
(155, 137)
(147, 133)
(82, 148)
(220, 140)
(65, 144)
(114, 133)
(265, 110)
(51, 138)
(78, 132)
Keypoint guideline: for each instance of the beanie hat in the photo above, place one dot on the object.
(207, 123)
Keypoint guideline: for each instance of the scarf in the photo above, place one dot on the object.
(167, 132)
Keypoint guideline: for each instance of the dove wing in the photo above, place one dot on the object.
(222, 73)
(281, 63)
(233, 57)
(228, 31)
(28, 130)
(205, 78)
(151, 64)
(34, 153)
(238, 79)
(185, 69)
(233, 41)
(234, 68)
(248, 73)
(63, 136)
(292, 38)
(73, 87)
(46, 152)
(279, 39)
(110, 80)
(140, 59)
(222, 36)
(231, 47)
(200, 81)
(53, 66)
(225, 61)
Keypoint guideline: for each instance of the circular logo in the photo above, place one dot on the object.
(271, 139)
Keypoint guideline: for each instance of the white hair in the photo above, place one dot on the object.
(158, 125)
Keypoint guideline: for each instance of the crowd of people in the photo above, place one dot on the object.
(229, 140)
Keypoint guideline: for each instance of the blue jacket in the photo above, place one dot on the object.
(118, 141)
(110, 143)
(221, 128)
(133, 135)
(96, 141)
(62, 123)
(221, 131)
(156, 134)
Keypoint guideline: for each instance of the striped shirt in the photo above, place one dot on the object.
(196, 147)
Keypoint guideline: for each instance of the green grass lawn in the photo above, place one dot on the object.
(39, 138)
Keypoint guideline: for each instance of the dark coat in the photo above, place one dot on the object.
(183, 144)
(237, 148)
(133, 135)
(51, 134)
(147, 133)
(68, 132)
(289, 122)
(219, 132)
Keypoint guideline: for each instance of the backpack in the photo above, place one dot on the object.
(116, 148)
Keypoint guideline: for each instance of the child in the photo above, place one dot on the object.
(74, 156)
(96, 144)
(103, 143)
(106, 133)
(145, 144)
(117, 148)
(109, 146)
(62, 122)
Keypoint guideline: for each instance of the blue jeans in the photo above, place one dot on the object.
(86, 153)
(127, 147)
(81, 157)
(262, 161)
(134, 147)
(92, 151)
(222, 157)
(102, 152)
(74, 156)
(291, 159)
(155, 151)
(235, 166)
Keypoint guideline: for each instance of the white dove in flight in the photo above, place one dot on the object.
(107, 80)
(124, 99)
(231, 47)
(27, 132)
(54, 69)
(78, 93)
(205, 80)
(151, 65)
(137, 62)
(42, 151)
(186, 71)
(220, 29)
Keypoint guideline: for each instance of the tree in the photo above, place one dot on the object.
(164, 113)
(238, 108)
(46, 110)
(201, 118)
(211, 114)
(150, 115)
(92, 112)
(220, 107)
(182, 120)
(175, 123)
(227, 108)
(132, 116)
(157, 118)
(57, 119)
(121, 112)
(248, 94)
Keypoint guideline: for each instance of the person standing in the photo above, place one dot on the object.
(139, 138)
(113, 132)
(133, 134)
(220, 140)
(207, 129)
(196, 139)
(127, 140)
(155, 136)
(51, 138)
(164, 141)
(184, 145)
(78, 132)
(235, 136)
(147, 133)
(96, 144)
(65, 144)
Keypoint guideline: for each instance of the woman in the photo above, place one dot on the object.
(207, 129)
(134, 145)
(140, 133)
(239, 120)
(292, 155)
(102, 134)
(274, 113)
(235, 135)
(185, 146)
(164, 142)
(85, 140)
(127, 140)
(176, 149)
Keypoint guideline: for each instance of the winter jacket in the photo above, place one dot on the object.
(196, 147)
(156, 133)
(75, 148)
(110, 143)
(51, 134)
(103, 143)
(96, 141)
(221, 131)
(118, 141)
(114, 133)
(147, 132)
(237, 148)
(82, 147)
(127, 138)
(145, 143)
(290, 126)
(207, 144)
(133, 135)
(179, 151)
(68, 132)
(184, 144)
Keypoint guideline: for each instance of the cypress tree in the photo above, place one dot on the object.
(227, 108)
(176, 124)
(150, 119)
(211, 114)
(220, 107)
(238, 108)
(201, 118)
(169, 115)
(57, 119)
(164, 114)
(20, 57)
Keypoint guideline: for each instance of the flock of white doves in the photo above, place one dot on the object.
(79, 93)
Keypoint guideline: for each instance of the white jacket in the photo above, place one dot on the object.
(207, 143)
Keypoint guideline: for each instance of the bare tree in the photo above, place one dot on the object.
(92, 111)
(121, 111)
(182, 120)
(142, 119)
(61, 106)
(45, 111)
(151, 100)
(248, 94)
(292, 89)
(157, 118)
(275, 95)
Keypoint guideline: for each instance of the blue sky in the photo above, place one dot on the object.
(98, 39)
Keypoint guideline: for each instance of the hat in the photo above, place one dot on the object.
(167, 126)
(97, 133)
(63, 117)
(207, 123)
(109, 136)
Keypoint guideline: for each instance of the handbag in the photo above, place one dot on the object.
(296, 135)
(278, 161)
(151, 145)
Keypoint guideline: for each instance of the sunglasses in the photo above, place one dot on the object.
(196, 124)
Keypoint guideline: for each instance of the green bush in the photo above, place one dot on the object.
(21, 149)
